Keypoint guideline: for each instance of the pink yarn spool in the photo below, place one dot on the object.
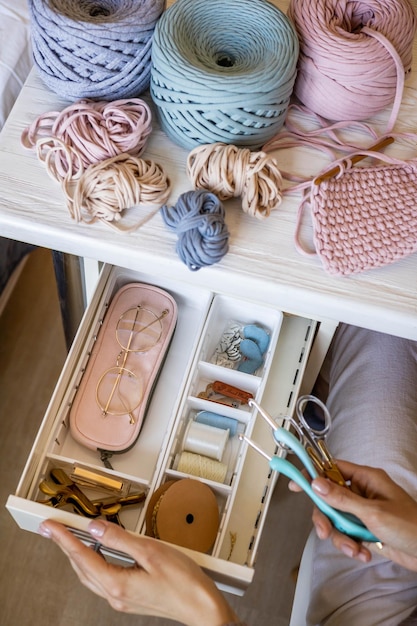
(353, 55)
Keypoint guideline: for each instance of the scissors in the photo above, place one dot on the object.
(344, 522)
(313, 425)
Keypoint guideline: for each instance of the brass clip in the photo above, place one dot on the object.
(62, 491)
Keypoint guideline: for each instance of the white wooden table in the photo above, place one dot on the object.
(262, 264)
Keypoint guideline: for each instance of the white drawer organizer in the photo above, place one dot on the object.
(243, 496)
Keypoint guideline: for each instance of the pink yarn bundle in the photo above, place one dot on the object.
(91, 132)
(353, 55)
(92, 148)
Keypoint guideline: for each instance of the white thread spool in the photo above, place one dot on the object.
(205, 440)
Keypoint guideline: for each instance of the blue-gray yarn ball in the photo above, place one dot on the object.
(198, 220)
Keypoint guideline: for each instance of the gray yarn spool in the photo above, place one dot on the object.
(99, 49)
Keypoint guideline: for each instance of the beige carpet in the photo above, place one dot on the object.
(37, 586)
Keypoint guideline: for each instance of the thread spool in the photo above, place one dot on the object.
(201, 466)
(205, 440)
(218, 421)
(99, 49)
(223, 71)
(353, 56)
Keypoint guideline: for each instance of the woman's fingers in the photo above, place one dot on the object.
(163, 582)
(85, 561)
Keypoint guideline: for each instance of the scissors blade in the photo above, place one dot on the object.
(326, 466)
(330, 469)
(334, 474)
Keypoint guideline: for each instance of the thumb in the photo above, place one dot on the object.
(147, 552)
(113, 536)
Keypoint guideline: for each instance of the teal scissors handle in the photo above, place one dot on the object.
(344, 522)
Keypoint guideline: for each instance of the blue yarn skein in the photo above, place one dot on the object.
(98, 49)
(198, 220)
(223, 71)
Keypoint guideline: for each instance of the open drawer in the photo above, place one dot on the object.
(237, 477)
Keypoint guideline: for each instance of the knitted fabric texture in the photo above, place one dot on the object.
(366, 217)
(99, 49)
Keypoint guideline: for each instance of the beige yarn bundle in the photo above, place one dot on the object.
(231, 172)
(107, 188)
(92, 149)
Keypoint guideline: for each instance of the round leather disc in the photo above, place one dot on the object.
(188, 515)
(151, 510)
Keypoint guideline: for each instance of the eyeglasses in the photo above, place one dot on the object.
(119, 390)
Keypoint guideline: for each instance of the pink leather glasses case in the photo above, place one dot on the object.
(111, 402)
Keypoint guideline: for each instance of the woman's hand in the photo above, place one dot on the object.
(164, 582)
(380, 503)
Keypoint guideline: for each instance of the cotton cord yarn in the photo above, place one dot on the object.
(93, 131)
(107, 188)
(92, 149)
(202, 466)
(223, 71)
(231, 172)
(219, 421)
(353, 56)
(94, 48)
(198, 220)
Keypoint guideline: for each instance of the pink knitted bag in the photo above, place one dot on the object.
(364, 217)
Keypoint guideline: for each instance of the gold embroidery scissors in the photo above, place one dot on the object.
(312, 426)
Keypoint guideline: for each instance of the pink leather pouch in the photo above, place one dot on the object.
(111, 402)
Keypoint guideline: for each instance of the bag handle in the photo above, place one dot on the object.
(337, 169)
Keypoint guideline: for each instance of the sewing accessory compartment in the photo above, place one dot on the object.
(187, 478)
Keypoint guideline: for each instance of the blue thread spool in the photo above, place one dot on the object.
(223, 71)
(219, 421)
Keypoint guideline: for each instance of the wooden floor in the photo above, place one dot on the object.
(37, 586)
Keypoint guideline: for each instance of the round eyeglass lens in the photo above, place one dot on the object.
(119, 391)
(139, 329)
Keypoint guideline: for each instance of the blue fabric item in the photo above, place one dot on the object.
(198, 220)
(258, 335)
(223, 71)
(99, 49)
